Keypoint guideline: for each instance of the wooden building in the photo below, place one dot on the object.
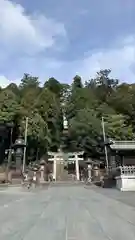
(121, 159)
(121, 153)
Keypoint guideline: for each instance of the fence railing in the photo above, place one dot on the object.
(122, 170)
(127, 170)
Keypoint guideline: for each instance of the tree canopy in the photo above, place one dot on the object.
(84, 105)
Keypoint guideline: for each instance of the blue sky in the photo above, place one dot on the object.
(63, 38)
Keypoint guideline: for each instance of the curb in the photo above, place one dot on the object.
(9, 185)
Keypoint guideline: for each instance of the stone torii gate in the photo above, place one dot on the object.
(57, 159)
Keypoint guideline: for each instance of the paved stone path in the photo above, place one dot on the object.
(64, 213)
(125, 197)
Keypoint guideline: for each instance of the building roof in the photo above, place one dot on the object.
(122, 145)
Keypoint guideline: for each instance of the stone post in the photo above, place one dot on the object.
(54, 169)
(89, 172)
(42, 174)
(77, 167)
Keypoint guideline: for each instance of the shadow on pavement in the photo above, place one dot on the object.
(127, 198)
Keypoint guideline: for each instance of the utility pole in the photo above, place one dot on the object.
(105, 148)
(25, 139)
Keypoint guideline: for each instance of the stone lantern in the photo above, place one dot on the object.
(89, 164)
(18, 147)
(42, 171)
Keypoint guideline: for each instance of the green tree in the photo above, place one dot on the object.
(116, 128)
(122, 99)
(13, 88)
(81, 99)
(54, 86)
(85, 130)
(38, 132)
(103, 85)
(8, 106)
(48, 106)
(103, 79)
(77, 82)
(84, 106)
(29, 82)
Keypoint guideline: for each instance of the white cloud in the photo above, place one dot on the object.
(120, 59)
(4, 81)
(20, 32)
(23, 36)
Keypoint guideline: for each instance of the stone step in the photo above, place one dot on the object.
(66, 183)
(16, 181)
